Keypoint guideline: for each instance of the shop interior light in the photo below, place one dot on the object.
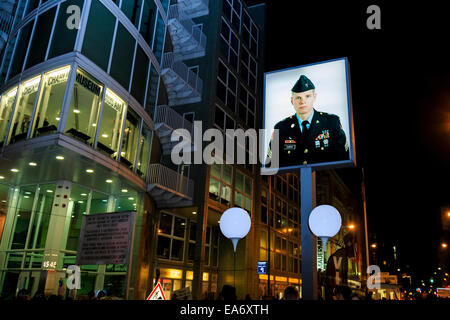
(32, 164)
(194, 212)
(109, 181)
(32, 82)
(58, 72)
(89, 171)
(76, 111)
(12, 93)
(14, 170)
(114, 97)
(59, 157)
(50, 191)
(130, 198)
(84, 194)
(124, 190)
(2, 177)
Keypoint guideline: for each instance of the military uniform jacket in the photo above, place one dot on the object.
(325, 140)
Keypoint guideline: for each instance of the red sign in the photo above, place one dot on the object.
(157, 293)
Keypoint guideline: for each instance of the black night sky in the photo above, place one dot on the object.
(400, 78)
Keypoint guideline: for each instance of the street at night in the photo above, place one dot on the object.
(224, 155)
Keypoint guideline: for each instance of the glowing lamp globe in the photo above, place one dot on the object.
(235, 223)
(325, 222)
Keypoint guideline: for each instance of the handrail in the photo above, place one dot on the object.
(183, 71)
(173, 119)
(171, 179)
(176, 12)
(6, 22)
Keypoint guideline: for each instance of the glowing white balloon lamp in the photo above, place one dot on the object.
(324, 222)
(235, 223)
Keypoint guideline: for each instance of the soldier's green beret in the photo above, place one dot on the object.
(303, 84)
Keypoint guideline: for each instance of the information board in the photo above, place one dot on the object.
(105, 238)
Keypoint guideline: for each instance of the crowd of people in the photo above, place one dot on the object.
(24, 295)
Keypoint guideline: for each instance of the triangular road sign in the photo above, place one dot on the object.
(157, 293)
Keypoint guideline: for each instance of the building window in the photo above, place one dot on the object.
(50, 101)
(21, 119)
(63, 40)
(243, 192)
(79, 198)
(130, 138)
(263, 246)
(111, 124)
(84, 107)
(229, 45)
(264, 206)
(248, 70)
(132, 9)
(6, 105)
(250, 33)
(158, 42)
(215, 247)
(171, 234)
(41, 37)
(191, 245)
(226, 86)
(223, 120)
(207, 245)
(139, 75)
(148, 21)
(144, 151)
(21, 49)
(220, 183)
(122, 58)
(232, 11)
(99, 34)
(247, 106)
(30, 231)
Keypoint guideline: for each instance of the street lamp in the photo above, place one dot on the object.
(235, 223)
(444, 245)
(325, 222)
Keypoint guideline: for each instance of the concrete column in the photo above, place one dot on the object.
(55, 241)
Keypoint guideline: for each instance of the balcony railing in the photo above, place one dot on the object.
(194, 8)
(181, 83)
(171, 118)
(187, 38)
(171, 181)
(6, 21)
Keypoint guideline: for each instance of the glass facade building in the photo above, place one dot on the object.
(79, 81)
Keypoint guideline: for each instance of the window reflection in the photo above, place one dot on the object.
(111, 123)
(84, 107)
(6, 105)
(50, 101)
(144, 151)
(78, 201)
(24, 109)
(130, 138)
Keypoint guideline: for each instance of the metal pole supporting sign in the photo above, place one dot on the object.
(308, 240)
